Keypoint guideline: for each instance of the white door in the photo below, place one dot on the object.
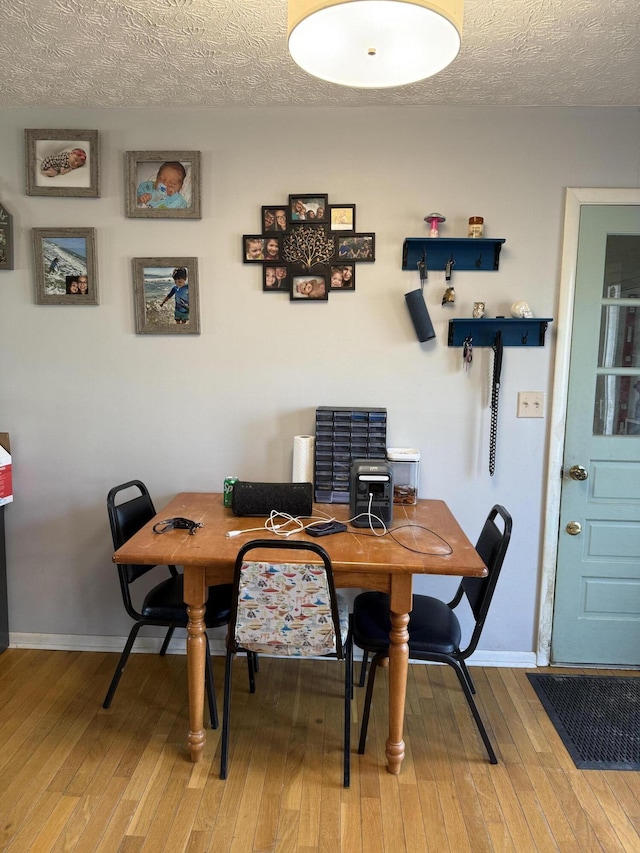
(596, 617)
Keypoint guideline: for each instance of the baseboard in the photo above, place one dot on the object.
(177, 646)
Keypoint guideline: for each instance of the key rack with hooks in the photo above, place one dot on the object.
(516, 332)
(467, 253)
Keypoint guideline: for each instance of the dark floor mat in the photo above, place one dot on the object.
(597, 717)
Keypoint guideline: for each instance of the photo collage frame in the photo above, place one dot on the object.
(308, 248)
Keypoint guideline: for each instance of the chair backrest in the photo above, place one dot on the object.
(283, 608)
(127, 518)
(492, 546)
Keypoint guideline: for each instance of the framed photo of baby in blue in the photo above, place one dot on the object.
(62, 163)
(163, 184)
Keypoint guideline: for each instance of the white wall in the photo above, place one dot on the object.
(89, 403)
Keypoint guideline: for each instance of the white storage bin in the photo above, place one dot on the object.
(405, 464)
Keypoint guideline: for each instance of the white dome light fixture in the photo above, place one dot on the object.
(374, 44)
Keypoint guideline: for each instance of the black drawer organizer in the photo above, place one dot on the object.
(343, 434)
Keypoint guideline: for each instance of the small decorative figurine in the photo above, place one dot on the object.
(521, 310)
(449, 296)
(478, 310)
(434, 220)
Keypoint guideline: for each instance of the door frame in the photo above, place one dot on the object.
(575, 198)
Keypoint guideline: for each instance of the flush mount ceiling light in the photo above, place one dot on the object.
(374, 44)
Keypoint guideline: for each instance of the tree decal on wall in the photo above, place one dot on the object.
(308, 245)
(308, 248)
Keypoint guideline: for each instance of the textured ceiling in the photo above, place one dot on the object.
(233, 53)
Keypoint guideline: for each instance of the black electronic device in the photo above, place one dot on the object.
(263, 498)
(371, 493)
(325, 528)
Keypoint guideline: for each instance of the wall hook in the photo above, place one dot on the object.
(479, 261)
(448, 267)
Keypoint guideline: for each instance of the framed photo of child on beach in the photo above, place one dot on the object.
(163, 184)
(66, 267)
(64, 163)
(166, 296)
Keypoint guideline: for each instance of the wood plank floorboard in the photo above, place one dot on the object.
(74, 777)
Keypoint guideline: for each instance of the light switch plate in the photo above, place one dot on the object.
(530, 404)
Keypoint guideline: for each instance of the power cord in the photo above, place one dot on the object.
(278, 521)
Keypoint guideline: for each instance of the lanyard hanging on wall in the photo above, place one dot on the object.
(495, 395)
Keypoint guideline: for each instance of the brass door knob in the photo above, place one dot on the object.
(577, 472)
(573, 528)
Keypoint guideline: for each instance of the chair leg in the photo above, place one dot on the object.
(208, 680)
(167, 640)
(348, 695)
(463, 665)
(251, 666)
(367, 702)
(363, 668)
(121, 664)
(226, 712)
(256, 662)
(476, 714)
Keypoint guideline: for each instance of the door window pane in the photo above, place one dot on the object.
(617, 406)
(622, 267)
(619, 336)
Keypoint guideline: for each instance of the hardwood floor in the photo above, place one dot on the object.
(76, 777)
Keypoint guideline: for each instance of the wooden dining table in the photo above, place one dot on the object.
(425, 539)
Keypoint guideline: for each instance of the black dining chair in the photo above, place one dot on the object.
(434, 630)
(287, 610)
(163, 605)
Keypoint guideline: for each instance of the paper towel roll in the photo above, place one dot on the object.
(303, 447)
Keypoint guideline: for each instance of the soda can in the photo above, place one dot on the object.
(227, 492)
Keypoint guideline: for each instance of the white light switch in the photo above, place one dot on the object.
(530, 404)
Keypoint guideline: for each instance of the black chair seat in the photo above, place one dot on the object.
(434, 629)
(433, 626)
(165, 603)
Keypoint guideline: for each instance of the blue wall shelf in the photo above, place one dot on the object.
(516, 332)
(468, 253)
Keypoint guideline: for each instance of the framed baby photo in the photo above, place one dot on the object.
(356, 247)
(342, 217)
(62, 163)
(342, 277)
(66, 268)
(275, 278)
(166, 296)
(6, 239)
(309, 287)
(162, 184)
(308, 208)
(274, 218)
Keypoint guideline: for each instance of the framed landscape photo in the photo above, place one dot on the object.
(166, 296)
(66, 268)
(308, 208)
(62, 163)
(163, 184)
(356, 247)
(309, 288)
(342, 217)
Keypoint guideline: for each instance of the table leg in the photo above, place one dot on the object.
(195, 599)
(401, 592)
